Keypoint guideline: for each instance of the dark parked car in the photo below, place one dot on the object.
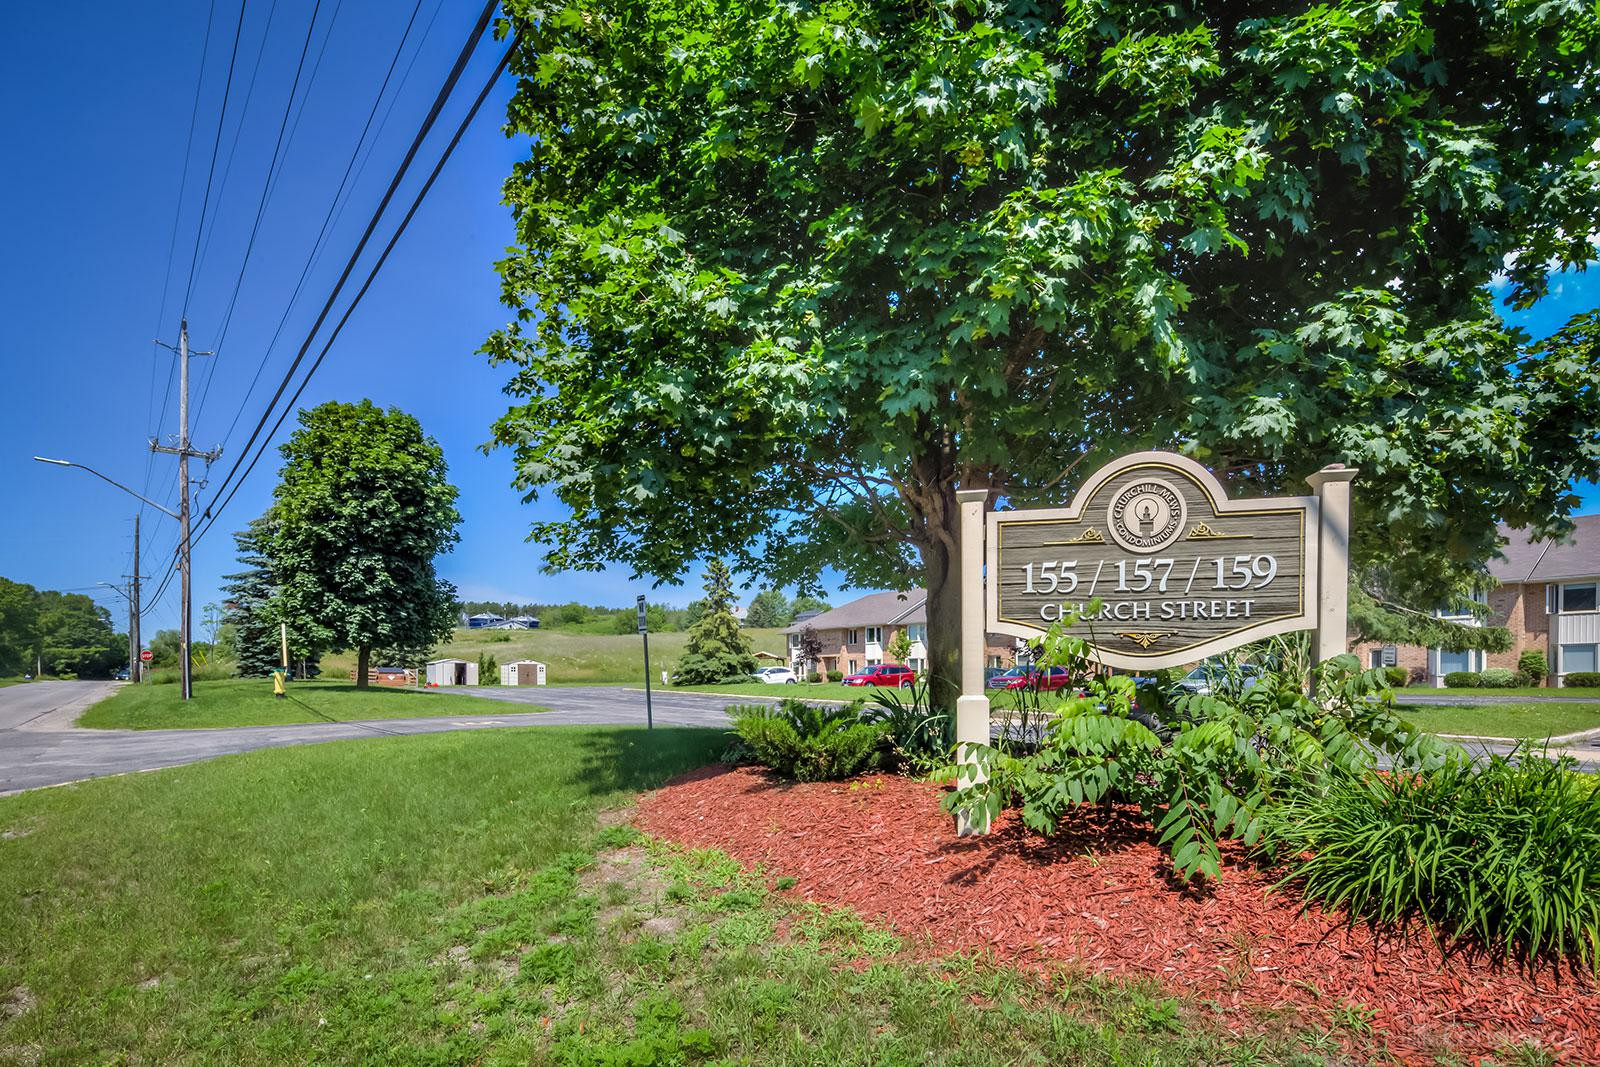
(888, 674)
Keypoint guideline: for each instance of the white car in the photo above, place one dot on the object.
(776, 676)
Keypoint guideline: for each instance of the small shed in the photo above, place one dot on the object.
(452, 672)
(522, 672)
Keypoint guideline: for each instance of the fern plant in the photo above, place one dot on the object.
(1227, 759)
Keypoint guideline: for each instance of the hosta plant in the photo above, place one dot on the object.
(1226, 759)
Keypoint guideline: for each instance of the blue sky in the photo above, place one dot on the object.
(95, 133)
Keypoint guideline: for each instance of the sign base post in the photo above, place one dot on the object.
(972, 707)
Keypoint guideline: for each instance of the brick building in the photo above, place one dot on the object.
(855, 635)
(1546, 597)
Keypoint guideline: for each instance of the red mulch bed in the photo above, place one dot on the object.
(1101, 898)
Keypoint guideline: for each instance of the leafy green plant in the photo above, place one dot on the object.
(810, 742)
(1581, 679)
(1533, 664)
(920, 739)
(1397, 676)
(1226, 761)
(1505, 850)
(1463, 680)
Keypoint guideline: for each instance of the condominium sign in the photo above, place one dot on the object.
(1179, 570)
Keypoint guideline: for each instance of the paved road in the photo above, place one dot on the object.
(39, 747)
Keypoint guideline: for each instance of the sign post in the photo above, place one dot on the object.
(1181, 572)
(972, 706)
(644, 632)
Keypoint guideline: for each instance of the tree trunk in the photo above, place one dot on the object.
(363, 660)
(942, 569)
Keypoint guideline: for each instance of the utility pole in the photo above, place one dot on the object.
(134, 637)
(644, 632)
(184, 452)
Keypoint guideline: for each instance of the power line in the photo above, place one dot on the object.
(211, 514)
(172, 245)
(335, 211)
(372, 224)
(261, 206)
(222, 113)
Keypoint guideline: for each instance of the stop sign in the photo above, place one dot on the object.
(146, 656)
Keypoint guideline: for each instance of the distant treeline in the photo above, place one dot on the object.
(42, 630)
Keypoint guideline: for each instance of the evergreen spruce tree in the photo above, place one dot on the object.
(717, 651)
(248, 603)
(249, 608)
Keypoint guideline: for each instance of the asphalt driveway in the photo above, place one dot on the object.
(40, 747)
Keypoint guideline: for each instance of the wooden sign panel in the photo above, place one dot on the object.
(1182, 571)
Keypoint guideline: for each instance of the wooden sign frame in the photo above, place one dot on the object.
(1201, 506)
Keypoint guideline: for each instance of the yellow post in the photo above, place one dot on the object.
(277, 683)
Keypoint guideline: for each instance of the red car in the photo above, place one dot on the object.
(1045, 679)
(888, 674)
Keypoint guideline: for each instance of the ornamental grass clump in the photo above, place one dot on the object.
(1501, 851)
(810, 742)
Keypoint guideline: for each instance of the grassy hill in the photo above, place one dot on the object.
(572, 656)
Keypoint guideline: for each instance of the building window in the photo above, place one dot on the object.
(1453, 662)
(1375, 658)
(794, 640)
(918, 632)
(874, 635)
(916, 664)
(873, 662)
(852, 637)
(994, 661)
(1578, 597)
(855, 665)
(1577, 658)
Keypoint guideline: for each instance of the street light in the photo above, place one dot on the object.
(135, 667)
(112, 481)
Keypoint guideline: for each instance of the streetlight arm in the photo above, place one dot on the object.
(103, 478)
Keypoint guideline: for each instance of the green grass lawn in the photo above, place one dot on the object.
(1504, 720)
(1520, 691)
(450, 900)
(572, 657)
(249, 702)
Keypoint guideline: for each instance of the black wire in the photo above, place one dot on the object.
(210, 516)
(172, 245)
(261, 205)
(372, 224)
(227, 88)
(316, 244)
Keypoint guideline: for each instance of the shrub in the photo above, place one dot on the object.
(488, 669)
(1585, 679)
(1506, 851)
(1224, 762)
(1498, 678)
(1418, 676)
(1396, 676)
(211, 672)
(812, 677)
(810, 742)
(1462, 680)
(1532, 663)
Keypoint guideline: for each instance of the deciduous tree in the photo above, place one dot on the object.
(362, 509)
(768, 608)
(788, 275)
